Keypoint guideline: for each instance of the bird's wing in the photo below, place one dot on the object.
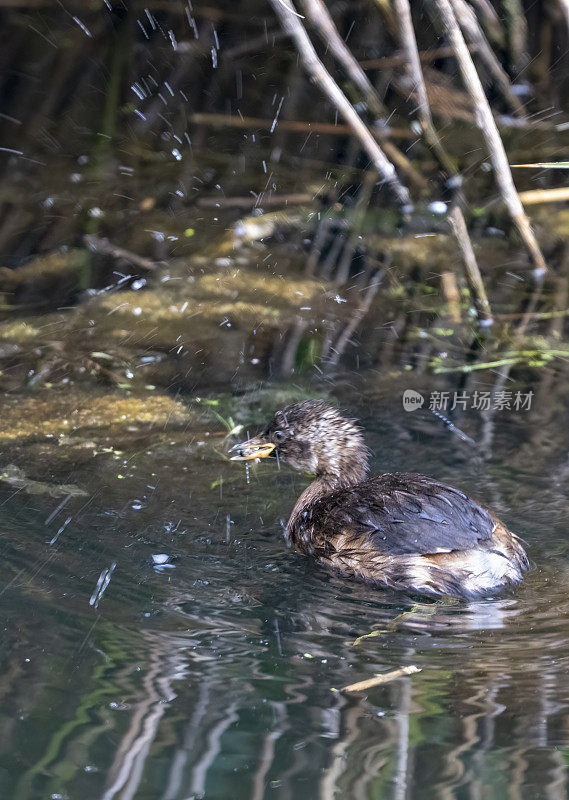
(406, 513)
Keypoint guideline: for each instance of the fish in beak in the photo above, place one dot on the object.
(251, 449)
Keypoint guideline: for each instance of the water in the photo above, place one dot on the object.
(160, 641)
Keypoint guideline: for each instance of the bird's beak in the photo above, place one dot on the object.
(252, 448)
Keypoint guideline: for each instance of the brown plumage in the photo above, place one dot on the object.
(404, 531)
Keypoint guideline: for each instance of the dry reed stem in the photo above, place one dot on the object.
(322, 78)
(473, 275)
(320, 17)
(472, 30)
(487, 124)
(452, 295)
(455, 217)
(534, 197)
(565, 8)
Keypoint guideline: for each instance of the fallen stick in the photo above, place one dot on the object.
(378, 680)
(98, 244)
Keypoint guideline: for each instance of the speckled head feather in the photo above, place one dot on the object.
(314, 437)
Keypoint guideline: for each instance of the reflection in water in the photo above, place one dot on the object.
(166, 665)
(191, 721)
(213, 678)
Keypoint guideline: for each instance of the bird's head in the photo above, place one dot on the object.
(313, 437)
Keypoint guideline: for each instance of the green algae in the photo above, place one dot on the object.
(57, 413)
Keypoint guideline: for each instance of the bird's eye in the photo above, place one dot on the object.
(279, 436)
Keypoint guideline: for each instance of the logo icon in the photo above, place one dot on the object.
(412, 400)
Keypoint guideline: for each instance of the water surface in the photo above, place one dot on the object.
(162, 642)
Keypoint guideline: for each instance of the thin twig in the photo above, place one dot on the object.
(98, 244)
(322, 78)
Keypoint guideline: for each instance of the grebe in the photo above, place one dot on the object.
(399, 530)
